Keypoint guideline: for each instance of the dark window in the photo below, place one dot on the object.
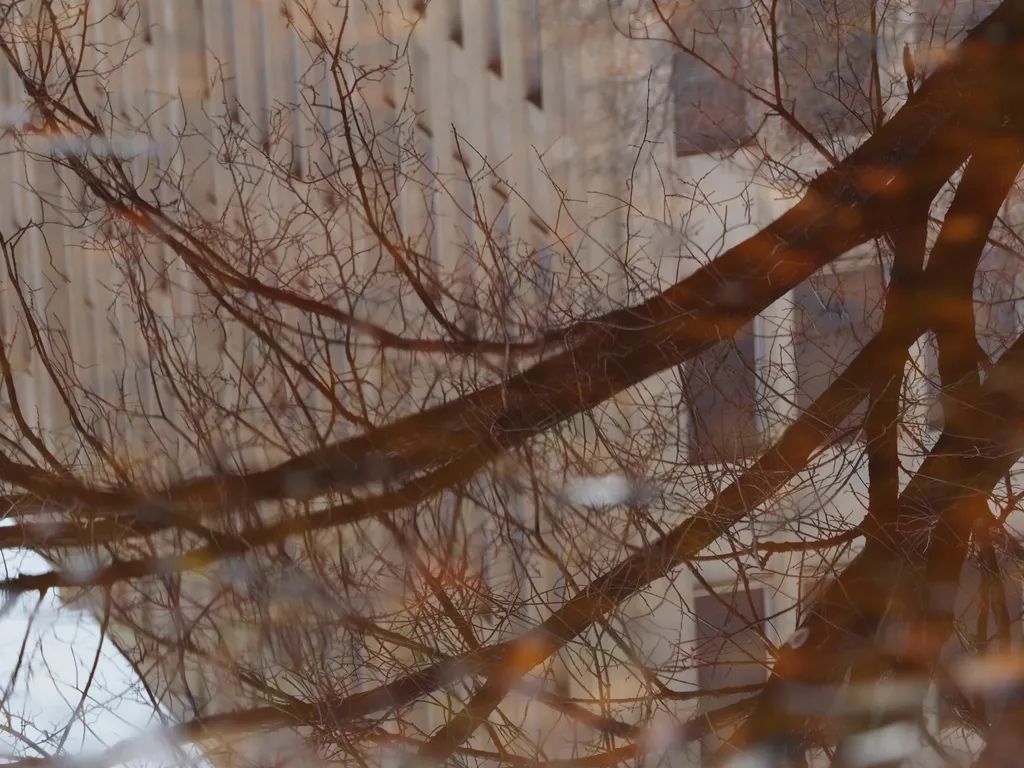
(503, 232)
(545, 284)
(493, 42)
(146, 22)
(294, 106)
(231, 82)
(730, 650)
(263, 100)
(825, 61)
(533, 55)
(837, 314)
(434, 243)
(421, 86)
(326, 115)
(466, 244)
(455, 22)
(711, 111)
(721, 389)
(388, 46)
(466, 216)
(387, 146)
(501, 235)
(315, 354)
(339, 362)
(145, 375)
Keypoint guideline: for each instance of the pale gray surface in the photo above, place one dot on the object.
(61, 646)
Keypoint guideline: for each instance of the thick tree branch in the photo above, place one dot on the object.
(870, 192)
(928, 542)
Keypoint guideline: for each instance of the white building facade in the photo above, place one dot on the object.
(501, 167)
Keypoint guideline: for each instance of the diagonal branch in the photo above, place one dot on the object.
(545, 640)
(870, 192)
(939, 503)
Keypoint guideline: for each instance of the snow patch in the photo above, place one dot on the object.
(799, 637)
(757, 758)
(661, 736)
(882, 745)
(598, 492)
(82, 568)
(991, 672)
(71, 146)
